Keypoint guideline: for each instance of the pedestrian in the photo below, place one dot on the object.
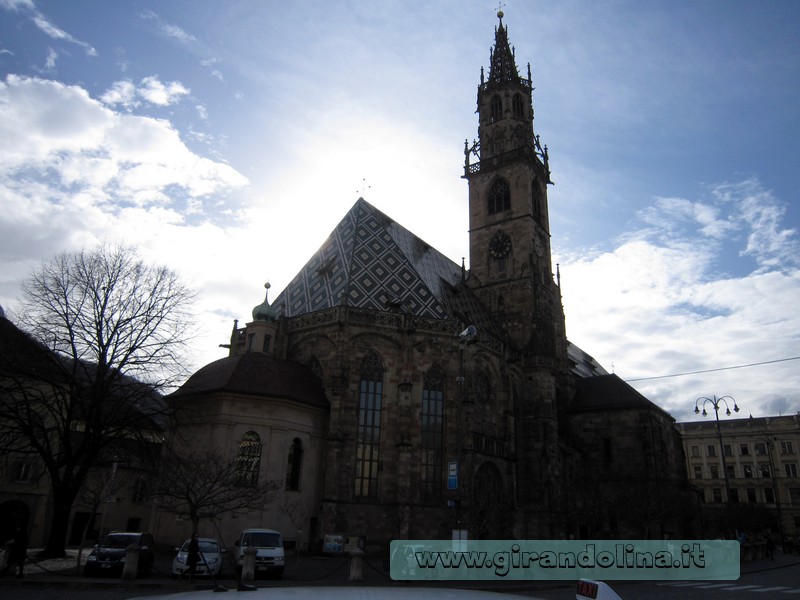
(770, 548)
(18, 551)
(193, 556)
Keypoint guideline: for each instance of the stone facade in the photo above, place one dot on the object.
(762, 461)
(451, 395)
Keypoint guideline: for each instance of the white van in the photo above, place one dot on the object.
(270, 558)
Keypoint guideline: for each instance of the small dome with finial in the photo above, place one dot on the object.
(264, 312)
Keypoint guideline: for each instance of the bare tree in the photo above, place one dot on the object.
(111, 331)
(206, 486)
(98, 488)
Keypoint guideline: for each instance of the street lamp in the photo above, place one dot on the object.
(768, 443)
(715, 402)
(465, 337)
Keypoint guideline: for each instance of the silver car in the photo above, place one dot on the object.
(209, 563)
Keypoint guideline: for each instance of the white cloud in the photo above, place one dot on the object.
(62, 137)
(656, 304)
(169, 29)
(125, 93)
(120, 92)
(44, 24)
(159, 93)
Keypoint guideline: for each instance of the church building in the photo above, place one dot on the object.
(393, 394)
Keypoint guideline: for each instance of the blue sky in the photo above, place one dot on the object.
(229, 138)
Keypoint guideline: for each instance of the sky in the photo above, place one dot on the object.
(227, 140)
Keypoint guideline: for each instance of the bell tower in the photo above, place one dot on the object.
(508, 174)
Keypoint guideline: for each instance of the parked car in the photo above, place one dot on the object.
(108, 557)
(270, 557)
(209, 563)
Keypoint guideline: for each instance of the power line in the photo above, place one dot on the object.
(758, 364)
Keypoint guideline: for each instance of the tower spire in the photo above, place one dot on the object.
(502, 66)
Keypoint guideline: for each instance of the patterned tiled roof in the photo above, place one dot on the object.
(373, 263)
(378, 264)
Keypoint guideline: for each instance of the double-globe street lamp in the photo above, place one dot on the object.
(716, 402)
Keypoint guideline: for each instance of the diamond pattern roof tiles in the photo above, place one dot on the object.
(372, 261)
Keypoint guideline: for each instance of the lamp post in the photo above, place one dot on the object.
(715, 402)
(768, 443)
(466, 336)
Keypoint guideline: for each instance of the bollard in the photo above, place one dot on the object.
(131, 568)
(356, 565)
(249, 564)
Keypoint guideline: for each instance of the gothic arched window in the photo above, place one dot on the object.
(516, 106)
(432, 433)
(496, 108)
(499, 197)
(536, 201)
(368, 438)
(315, 366)
(248, 460)
(295, 465)
(482, 387)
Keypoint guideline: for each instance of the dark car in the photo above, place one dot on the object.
(108, 557)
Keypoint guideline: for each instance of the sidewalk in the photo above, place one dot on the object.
(300, 572)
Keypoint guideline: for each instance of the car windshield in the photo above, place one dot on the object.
(202, 545)
(261, 539)
(120, 540)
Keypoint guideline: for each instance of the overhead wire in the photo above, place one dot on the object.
(758, 364)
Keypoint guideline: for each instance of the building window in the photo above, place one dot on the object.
(769, 496)
(761, 449)
(728, 450)
(499, 197)
(711, 450)
(794, 496)
(368, 437)
(764, 470)
(432, 433)
(696, 451)
(734, 496)
(248, 460)
(315, 366)
(267, 344)
(714, 471)
(23, 472)
(729, 469)
(787, 448)
(139, 492)
(608, 451)
(482, 388)
(496, 108)
(744, 450)
(294, 466)
(751, 495)
(716, 494)
(748, 471)
(516, 106)
(698, 472)
(791, 469)
(251, 341)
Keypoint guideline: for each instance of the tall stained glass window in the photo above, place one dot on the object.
(368, 439)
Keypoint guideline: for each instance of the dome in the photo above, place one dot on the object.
(263, 311)
(257, 374)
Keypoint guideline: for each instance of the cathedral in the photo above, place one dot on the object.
(392, 394)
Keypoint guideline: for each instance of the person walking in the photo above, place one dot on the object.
(193, 556)
(18, 551)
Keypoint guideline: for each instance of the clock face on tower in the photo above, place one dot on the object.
(500, 245)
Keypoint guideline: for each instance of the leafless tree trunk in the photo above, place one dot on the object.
(206, 486)
(111, 332)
